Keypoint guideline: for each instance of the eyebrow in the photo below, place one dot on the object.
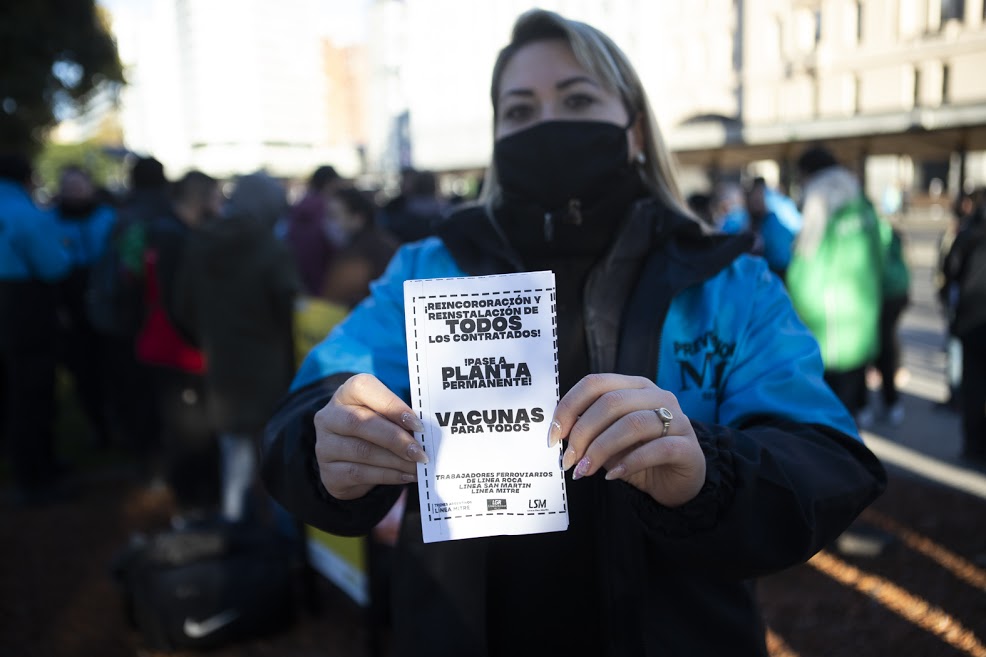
(560, 85)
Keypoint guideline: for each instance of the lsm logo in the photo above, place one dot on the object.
(702, 363)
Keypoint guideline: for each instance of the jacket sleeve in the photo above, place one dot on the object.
(370, 340)
(45, 256)
(291, 474)
(786, 469)
(776, 492)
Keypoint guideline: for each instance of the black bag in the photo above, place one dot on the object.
(205, 587)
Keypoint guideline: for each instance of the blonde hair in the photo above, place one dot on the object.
(597, 53)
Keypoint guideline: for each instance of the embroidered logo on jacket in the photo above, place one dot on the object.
(702, 362)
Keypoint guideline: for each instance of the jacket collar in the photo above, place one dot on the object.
(479, 246)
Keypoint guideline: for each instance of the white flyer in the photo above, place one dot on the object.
(483, 361)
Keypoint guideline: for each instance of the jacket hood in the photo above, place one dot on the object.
(824, 193)
(259, 198)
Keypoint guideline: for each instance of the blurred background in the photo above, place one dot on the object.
(740, 86)
(347, 96)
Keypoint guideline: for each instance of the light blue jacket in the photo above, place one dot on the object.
(86, 238)
(726, 361)
(778, 232)
(29, 244)
(785, 470)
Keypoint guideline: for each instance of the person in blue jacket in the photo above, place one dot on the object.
(701, 445)
(31, 260)
(83, 226)
(772, 219)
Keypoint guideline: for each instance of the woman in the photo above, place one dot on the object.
(760, 466)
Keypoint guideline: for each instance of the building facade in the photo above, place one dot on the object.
(740, 87)
(231, 86)
(891, 85)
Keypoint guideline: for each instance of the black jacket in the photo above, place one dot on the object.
(629, 577)
(234, 291)
(965, 268)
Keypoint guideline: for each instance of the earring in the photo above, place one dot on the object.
(641, 158)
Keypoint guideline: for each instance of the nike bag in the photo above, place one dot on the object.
(206, 587)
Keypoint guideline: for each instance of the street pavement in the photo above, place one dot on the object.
(928, 442)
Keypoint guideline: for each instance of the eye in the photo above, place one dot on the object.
(579, 101)
(517, 113)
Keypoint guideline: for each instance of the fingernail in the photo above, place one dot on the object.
(582, 468)
(416, 454)
(409, 478)
(412, 422)
(616, 473)
(568, 459)
(554, 434)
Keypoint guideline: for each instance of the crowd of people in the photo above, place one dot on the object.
(174, 309)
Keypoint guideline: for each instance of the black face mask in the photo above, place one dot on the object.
(555, 162)
(565, 185)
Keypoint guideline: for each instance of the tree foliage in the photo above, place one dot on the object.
(54, 54)
(106, 169)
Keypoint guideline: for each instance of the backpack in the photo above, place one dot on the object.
(114, 293)
(207, 586)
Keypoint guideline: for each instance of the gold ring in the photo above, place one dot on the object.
(665, 416)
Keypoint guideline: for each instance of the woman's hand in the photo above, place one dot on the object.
(362, 439)
(612, 422)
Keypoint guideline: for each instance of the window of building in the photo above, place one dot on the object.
(952, 10)
(859, 22)
(857, 92)
(945, 83)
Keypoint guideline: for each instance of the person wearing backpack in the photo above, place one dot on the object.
(115, 307)
(177, 367)
(835, 278)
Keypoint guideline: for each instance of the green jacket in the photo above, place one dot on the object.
(837, 288)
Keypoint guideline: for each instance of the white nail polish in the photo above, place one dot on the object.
(554, 434)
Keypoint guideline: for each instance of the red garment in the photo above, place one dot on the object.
(158, 342)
